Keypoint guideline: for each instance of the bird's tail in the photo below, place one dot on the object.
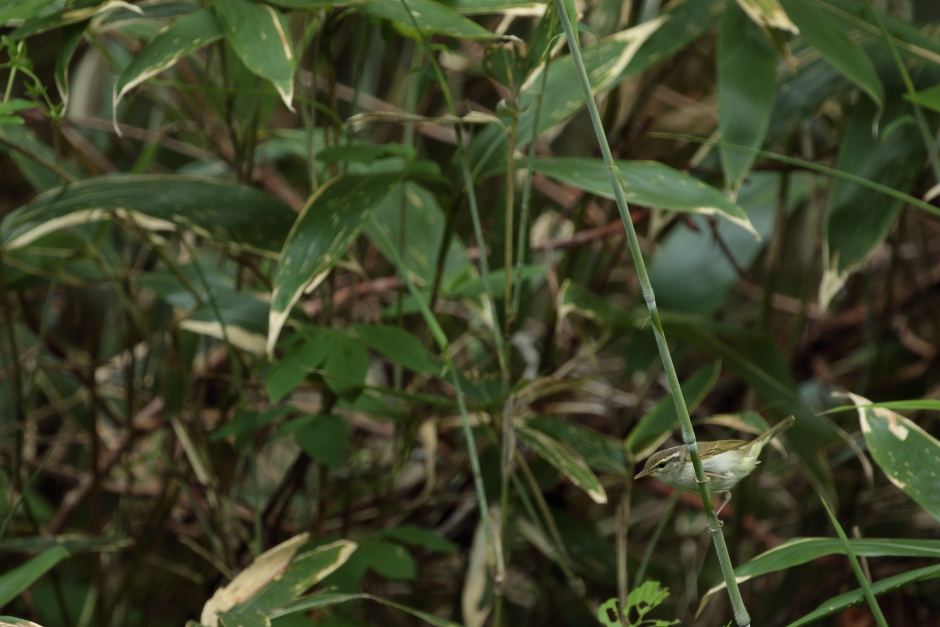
(758, 444)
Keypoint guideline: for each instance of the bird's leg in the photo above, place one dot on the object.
(727, 498)
(729, 475)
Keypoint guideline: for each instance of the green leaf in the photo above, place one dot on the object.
(160, 203)
(322, 437)
(839, 603)
(327, 225)
(261, 39)
(245, 319)
(604, 613)
(430, 16)
(346, 365)
(804, 550)
(747, 78)
(332, 598)
(649, 183)
(602, 452)
(16, 104)
(304, 570)
(365, 153)
(15, 581)
(646, 598)
(388, 559)
(767, 13)
(290, 371)
(929, 98)
(41, 172)
(830, 37)
(506, 64)
(177, 40)
(71, 37)
(923, 403)
(22, 10)
(418, 536)
(858, 221)
(908, 455)
(399, 346)
(65, 17)
(565, 459)
(655, 426)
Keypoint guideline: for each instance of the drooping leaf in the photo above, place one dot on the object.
(602, 452)
(327, 225)
(649, 183)
(565, 459)
(388, 559)
(908, 455)
(858, 221)
(430, 16)
(346, 365)
(821, 29)
(177, 40)
(261, 38)
(157, 202)
(65, 17)
(293, 368)
(747, 77)
(73, 543)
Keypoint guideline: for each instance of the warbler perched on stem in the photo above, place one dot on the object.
(725, 462)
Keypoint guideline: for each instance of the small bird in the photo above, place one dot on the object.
(725, 463)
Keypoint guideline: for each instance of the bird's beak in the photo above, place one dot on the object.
(642, 474)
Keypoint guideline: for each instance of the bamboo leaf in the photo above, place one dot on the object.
(159, 203)
(566, 460)
(649, 183)
(747, 77)
(830, 38)
(431, 17)
(908, 455)
(327, 225)
(177, 40)
(261, 39)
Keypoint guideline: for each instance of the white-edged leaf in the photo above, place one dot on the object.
(565, 459)
(261, 39)
(431, 17)
(649, 183)
(908, 455)
(157, 202)
(327, 225)
(177, 40)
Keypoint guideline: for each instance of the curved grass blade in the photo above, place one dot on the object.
(15, 581)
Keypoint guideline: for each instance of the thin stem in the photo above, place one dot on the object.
(471, 193)
(527, 183)
(930, 143)
(688, 434)
(654, 539)
(859, 573)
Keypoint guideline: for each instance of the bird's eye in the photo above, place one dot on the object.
(661, 465)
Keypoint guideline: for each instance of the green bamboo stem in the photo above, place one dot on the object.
(741, 616)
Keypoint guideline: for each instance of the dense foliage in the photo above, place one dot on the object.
(344, 284)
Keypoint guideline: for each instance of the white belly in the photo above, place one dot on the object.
(724, 471)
